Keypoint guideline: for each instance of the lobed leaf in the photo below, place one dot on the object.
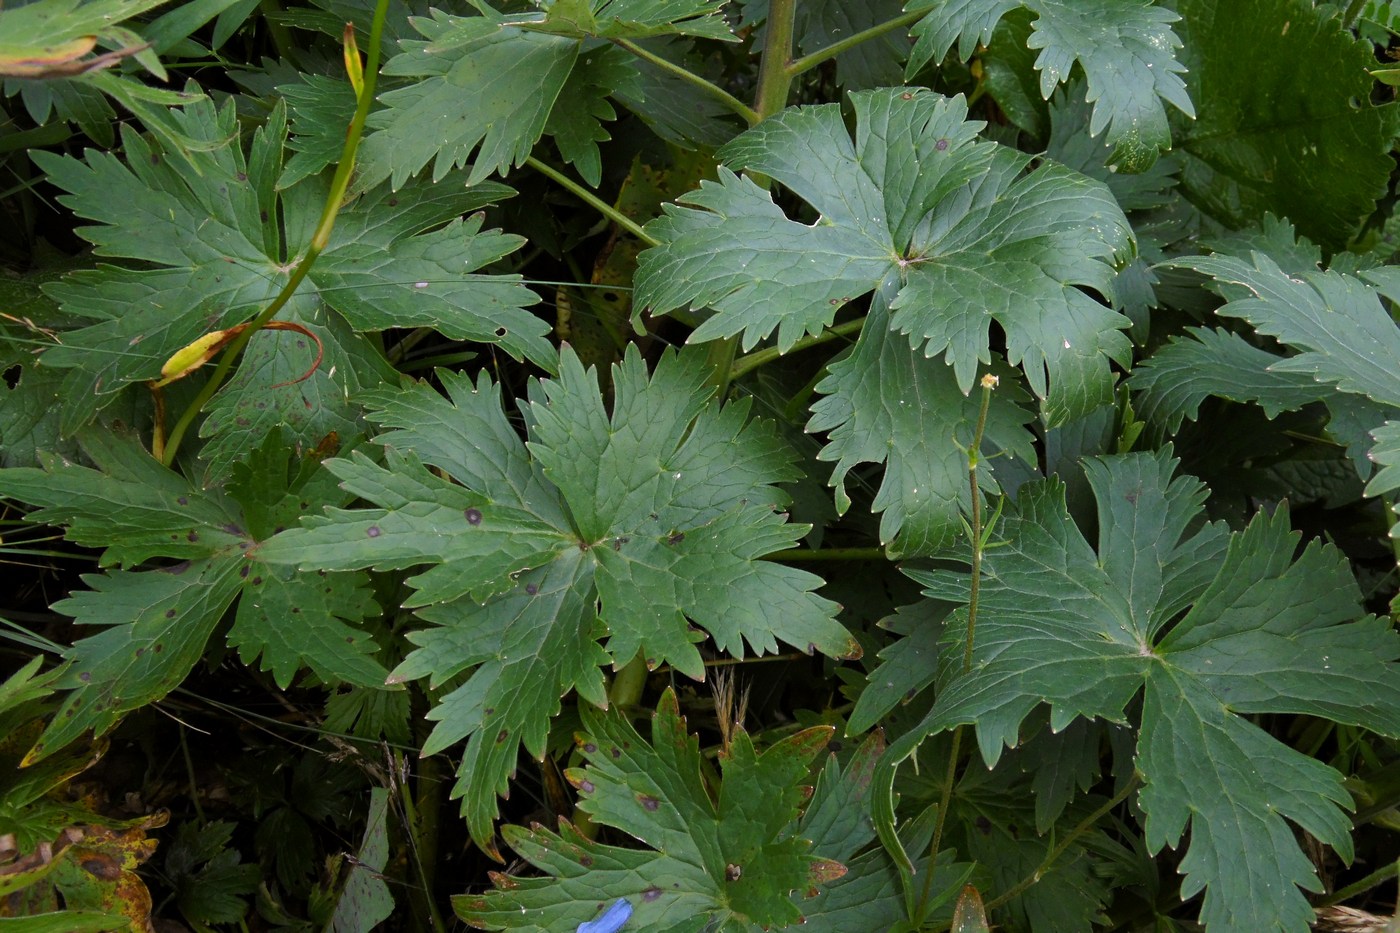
(628, 523)
(915, 197)
(1262, 631)
(725, 864)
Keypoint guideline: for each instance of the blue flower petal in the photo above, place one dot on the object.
(610, 922)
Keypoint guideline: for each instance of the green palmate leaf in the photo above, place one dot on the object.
(487, 88)
(729, 864)
(1254, 150)
(623, 524)
(1126, 49)
(477, 84)
(957, 223)
(155, 622)
(629, 19)
(1177, 378)
(1345, 335)
(886, 402)
(213, 240)
(1214, 626)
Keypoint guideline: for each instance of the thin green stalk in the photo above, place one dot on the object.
(773, 85)
(593, 201)
(1375, 879)
(1053, 855)
(319, 239)
(751, 361)
(413, 828)
(693, 79)
(627, 686)
(774, 80)
(830, 553)
(974, 456)
(808, 62)
(194, 784)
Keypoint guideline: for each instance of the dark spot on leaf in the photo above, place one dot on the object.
(279, 529)
(296, 610)
(676, 537)
(241, 422)
(319, 573)
(140, 651)
(157, 647)
(85, 676)
(373, 531)
(155, 159)
(984, 826)
(170, 613)
(1132, 498)
(502, 736)
(651, 894)
(102, 866)
(909, 694)
(733, 872)
(260, 405)
(532, 588)
(490, 711)
(257, 581)
(586, 786)
(585, 860)
(941, 145)
(473, 516)
(233, 529)
(393, 202)
(906, 96)
(590, 748)
(192, 537)
(241, 176)
(615, 752)
(648, 802)
(183, 500)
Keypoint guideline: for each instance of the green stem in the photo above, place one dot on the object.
(1080, 829)
(774, 80)
(194, 784)
(974, 455)
(417, 833)
(808, 62)
(319, 239)
(830, 553)
(945, 799)
(593, 201)
(773, 85)
(751, 361)
(1376, 878)
(627, 686)
(693, 79)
